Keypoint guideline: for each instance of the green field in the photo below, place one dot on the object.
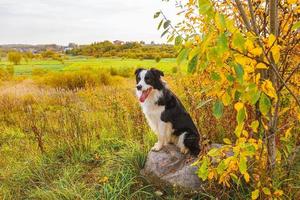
(76, 63)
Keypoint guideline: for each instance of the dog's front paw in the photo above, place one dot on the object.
(184, 150)
(157, 147)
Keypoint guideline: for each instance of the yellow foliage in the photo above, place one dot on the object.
(256, 51)
(261, 66)
(268, 89)
(238, 106)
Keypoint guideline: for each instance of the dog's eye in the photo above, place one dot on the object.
(147, 78)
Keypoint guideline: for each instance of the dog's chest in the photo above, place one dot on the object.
(153, 113)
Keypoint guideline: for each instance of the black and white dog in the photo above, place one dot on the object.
(165, 113)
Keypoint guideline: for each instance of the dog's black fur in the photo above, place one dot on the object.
(174, 112)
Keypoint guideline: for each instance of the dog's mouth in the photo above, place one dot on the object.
(145, 94)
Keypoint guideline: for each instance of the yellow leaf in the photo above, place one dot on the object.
(246, 177)
(267, 88)
(255, 194)
(210, 175)
(227, 141)
(249, 45)
(261, 66)
(254, 125)
(278, 193)
(288, 133)
(238, 106)
(271, 40)
(292, 1)
(266, 191)
(276, 53)
(245, 133)
(256, 51)
(226, 99)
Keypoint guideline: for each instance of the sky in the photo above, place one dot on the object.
(80, 21)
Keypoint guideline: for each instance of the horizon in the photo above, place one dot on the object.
(37, 22)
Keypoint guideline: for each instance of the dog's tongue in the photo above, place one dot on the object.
(144, 95)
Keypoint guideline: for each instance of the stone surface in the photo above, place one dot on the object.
(169, 166)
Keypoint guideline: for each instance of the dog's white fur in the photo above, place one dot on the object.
(153, 112)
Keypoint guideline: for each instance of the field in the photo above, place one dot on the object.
(75, 63)
(86, 137)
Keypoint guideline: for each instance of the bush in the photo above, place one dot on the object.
(174, 69)
(14, 57)
(39, 72)
(157, 59)
(77, 80)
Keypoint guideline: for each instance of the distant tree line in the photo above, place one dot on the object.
(124, 50)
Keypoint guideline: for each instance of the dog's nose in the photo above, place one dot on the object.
(138, 87)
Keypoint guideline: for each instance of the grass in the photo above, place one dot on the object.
(76, 63)
(86, 137)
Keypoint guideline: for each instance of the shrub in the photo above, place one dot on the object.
(157, 59)
(39, 71)
(77, 79)
(14, 57)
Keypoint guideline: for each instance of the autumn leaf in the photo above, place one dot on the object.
(267, 88)
(255, 194)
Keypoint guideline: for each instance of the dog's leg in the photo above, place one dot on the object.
(163, 136)
(180, 144)
(159, 144)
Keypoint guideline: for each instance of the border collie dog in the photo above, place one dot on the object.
(165, 113)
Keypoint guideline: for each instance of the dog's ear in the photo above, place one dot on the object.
(157, 72)
(138, 70)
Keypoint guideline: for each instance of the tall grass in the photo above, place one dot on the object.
(90, 142)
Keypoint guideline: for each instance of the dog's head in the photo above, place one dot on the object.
(147, 81)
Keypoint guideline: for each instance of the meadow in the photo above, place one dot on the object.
(76, 131)
(73, 63)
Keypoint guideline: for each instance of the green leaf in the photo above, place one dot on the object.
(164, 33)
(215, 76)
(238, 129)
(221, 20)
(205, 7)
(264, 104)
(171, 38)
(235, 178)
(241, 115)
(192, 65)
(230, 78)
(160, 23)
(178, 40)
(167, 24)
(194, 52)
(254, 96)
(238, 41)
(239, 71)
(218, 109)
(203, 169)
(222, 43)
(243, 165)
(182, 55)
(266, 191)
(296, 26)
(213, 152)
(227, 141)
(255, 194)
(221, 167)
(156, 15)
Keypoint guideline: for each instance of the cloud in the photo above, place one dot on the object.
(63, 21)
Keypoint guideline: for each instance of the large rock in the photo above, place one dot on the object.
(169, 166)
